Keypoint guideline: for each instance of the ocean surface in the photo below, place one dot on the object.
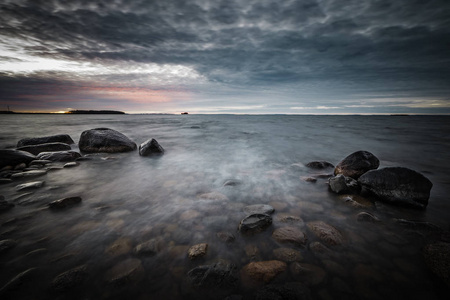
(235, 160)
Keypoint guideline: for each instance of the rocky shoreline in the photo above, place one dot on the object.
(356, 179)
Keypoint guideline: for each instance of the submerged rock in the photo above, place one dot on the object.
(258, 209)
(357, 164)
(150, 247)
(255, 223)
(150, 147)
(437, 258)
(366, 217)
(14, 157)
(398, 185)
(319, 165)
(5, 205)
(105, 140)
(342, 184)
(126, 272)
(64, 203)
(48, 147)
(69, 279)
(287, 254)
(289, 234)
(226, 237)
(327, 233)
(59, 156)
(308, 273)
(262, 271)
(286, 291)
(59, 138)
(198, 250)
(220, 275)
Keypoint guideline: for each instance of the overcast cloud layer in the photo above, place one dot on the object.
(261, 56)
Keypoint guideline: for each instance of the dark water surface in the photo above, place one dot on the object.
(128, 199)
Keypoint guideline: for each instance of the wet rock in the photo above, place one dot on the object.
(16, 282)
(286, 291)
(59, 138)
(327, 233)
(437, 258)
(366, 217)
(261, 271)
(120, 246)
(71, 164)
(69, 279)
(258, 209)
(59, 156)
(64, 202)
(14, 157)
(287, 254)
(232, 182)
(198, 250)
(20, 167)
(220, 275)
(105, 140)
(308, 179)
(255, 223)
(226, 237)
(308, 273)
(357, 201)
(252, 252)
(40, 162)
(319, 165)
(26, 174)
(398, 185)
(150, 147)
(342, 184)
(289, 234)
(48, 147)
(357, 164)
(320, 250)
(150, 247)
(5, 205)
(29, 185)
(129, 271)
(6, 245)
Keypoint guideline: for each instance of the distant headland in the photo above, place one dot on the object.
(95, 112)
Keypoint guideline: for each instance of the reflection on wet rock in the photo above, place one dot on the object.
(255, 223)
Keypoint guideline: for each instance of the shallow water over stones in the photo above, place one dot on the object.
(130, 235)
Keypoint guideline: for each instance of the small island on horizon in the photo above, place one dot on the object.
(84, 112)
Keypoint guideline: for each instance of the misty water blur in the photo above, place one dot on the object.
(138, 198)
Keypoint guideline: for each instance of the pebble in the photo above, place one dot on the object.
(261, 271)
(287, 254)
(327, 233)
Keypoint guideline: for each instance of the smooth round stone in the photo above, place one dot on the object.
(120, 246)
(287, 254)
(258, 209)
(289, 234)
(69, 279)
(33, 173)
(261, 271)
(255, 223)
(150, 247)
(71, 164)
(327, 233)
(30, 185)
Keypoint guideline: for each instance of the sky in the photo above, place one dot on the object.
(242, 57)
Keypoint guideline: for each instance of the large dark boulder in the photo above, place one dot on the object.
(357, 164)
(218, 275)
(398, 185)
(105, 140)
(59, 156)
(48, 147)
(15, 157)
(59, 138)
(150, 147)
(342, 184)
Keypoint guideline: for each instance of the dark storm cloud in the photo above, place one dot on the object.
(372, 46)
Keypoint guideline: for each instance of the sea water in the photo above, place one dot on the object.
(128, 199)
